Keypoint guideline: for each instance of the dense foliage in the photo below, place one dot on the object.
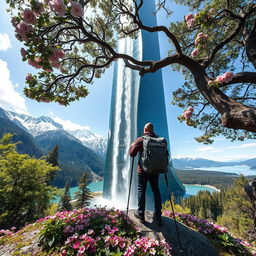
(24, 191)
(72, 42)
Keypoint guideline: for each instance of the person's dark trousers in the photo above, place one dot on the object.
(143, 179)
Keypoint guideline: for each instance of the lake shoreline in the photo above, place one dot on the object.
(206, 186)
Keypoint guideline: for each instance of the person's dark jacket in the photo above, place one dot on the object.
(137, 146)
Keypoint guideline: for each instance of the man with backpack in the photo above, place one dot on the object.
(153, 160)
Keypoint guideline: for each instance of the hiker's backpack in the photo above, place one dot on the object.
(155, 157)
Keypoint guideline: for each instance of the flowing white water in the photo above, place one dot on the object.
(125, 125)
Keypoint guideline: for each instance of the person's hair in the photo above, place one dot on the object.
(149, 127)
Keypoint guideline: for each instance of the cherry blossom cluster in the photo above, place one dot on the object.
(199, 17)
(188, 113)
(225, 78)
(200, 42)
(27, 20)
(190, 20)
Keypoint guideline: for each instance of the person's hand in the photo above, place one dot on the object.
(132, 144)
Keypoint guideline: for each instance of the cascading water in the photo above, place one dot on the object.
(124, 121)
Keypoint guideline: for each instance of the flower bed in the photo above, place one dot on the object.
(96, 231)
(218, 234)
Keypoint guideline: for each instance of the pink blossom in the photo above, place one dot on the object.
(23, 29)
(23, 52)
(77, 9)
(34, 64)
(220, 79)
(28, 16)
(190, 23)
(195, 52)
(188, 113)
(59, 54)
(189, 17)
(29, 77)
(58, 6)
(76, 245)
(201, 37)
(228, 76)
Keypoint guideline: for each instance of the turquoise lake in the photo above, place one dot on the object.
(98, 186)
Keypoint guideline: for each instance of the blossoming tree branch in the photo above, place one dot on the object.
(214, 46)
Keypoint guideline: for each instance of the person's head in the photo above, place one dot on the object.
(148, 128)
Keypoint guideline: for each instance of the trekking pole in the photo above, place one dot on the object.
(128, 201)
(176, 226)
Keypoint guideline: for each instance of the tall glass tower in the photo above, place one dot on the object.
(136, 101)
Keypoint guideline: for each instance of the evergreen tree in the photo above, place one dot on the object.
(24, 192)
(52, 158)
(83, 195)
(65, 204)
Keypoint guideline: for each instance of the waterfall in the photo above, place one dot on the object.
(124, 120)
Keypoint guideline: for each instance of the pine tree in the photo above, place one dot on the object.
(65, 204)
(52, 158)
(83, 195)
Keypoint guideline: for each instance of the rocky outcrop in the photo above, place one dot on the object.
(193, 243)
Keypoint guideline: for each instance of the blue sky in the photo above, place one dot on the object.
(93, 111)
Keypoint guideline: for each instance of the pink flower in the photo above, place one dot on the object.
(23, 29)
(28, 16)
(23, 52)
(189, 17)
(228, 76)
(29, 77)
(34, 64)
(195, 52)
(191, 23)
(77, 9)
(59, 54)
(58, 6)
(76, 245)
(188, 113)
(220, 79)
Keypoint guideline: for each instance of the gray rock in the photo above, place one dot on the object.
(193, 243)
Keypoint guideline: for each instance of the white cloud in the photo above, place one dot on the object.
(9, 98)
(245, 145)
(69, 125)
(207, 149)
(5, 42)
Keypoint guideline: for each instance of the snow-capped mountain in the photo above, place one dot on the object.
(95, 142)
(34, 125)
(38, 125)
